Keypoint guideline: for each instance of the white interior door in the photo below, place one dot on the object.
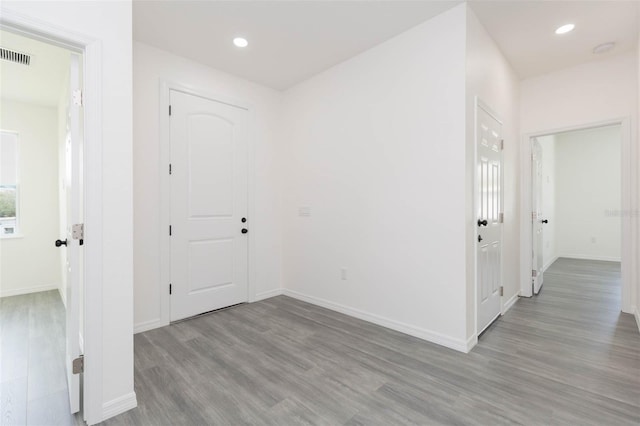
(536, 216)
(73, 216)
(489, 217)
(209, 221)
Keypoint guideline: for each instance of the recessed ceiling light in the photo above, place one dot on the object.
(240, 42)
(604, 47)
(565, 29)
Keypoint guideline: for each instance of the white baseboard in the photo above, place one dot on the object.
(63, 296)
(148, 325)
(421, 333)
(549, 263)
(509, 303)
(471, 342)
(268, 294)
(28, 290)
(637, 315)
(589, 257)
(119, 405)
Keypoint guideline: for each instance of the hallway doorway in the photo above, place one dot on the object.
(576, 198)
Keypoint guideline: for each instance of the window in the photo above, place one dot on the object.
(8, 183)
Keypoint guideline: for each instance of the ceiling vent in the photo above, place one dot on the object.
(16, 57)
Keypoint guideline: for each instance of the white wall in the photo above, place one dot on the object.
(375, 149)
(31, 262)
(490, 77)
(152, 65)
(588, 194)
(637, 200)
(109, 23)
(583, 95)
(549, 251)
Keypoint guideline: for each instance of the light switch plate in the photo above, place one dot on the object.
(304, 211)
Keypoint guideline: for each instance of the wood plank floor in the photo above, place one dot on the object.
(567, 356)
(33, 384)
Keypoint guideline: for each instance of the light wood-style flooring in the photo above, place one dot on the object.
(565, 357)
(33, 383)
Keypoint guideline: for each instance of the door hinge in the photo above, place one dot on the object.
(501, 219)
(501, 144)
(77, 97)
(534, 273)
(169, 230)
(169, 168)
(78, 365)
(77, 232)
(501, 291)
(169, 288)
(169, 109)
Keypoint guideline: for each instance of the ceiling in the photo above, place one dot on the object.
(289, 41)
(525, 31)
(39, 83)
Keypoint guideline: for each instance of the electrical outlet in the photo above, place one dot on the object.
(343, 274)
(593, 240)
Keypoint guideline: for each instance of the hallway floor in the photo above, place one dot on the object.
(565, 357)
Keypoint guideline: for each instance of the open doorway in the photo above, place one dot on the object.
(40, 255)
(576, 223)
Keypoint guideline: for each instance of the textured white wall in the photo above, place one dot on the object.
(32, 262)
(588, 194)
(375, 150)
(489, 76)
(637, 177)
(581, 95)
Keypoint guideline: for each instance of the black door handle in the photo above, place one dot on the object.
(61, 243)
(244, 230)
(479, 238)
(545, 221)
(482, 222)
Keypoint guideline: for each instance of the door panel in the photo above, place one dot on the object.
(536, 217)
(208, 201)
(489, 226)
(73, 248)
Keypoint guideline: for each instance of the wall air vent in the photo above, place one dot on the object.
(13, 56)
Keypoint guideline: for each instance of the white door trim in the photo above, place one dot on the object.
(91, 50)
(165, 193)
(629, 165)
(503, 306)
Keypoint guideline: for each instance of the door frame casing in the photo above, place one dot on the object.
(629, 187)
(166, 86)
(91, 50)
(478, 103)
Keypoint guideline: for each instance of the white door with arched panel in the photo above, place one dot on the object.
(488, 217)
(209, 221)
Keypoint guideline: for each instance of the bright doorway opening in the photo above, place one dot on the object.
(41, 257)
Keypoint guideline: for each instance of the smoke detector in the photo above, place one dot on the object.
(15, 57)
(604, 48)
